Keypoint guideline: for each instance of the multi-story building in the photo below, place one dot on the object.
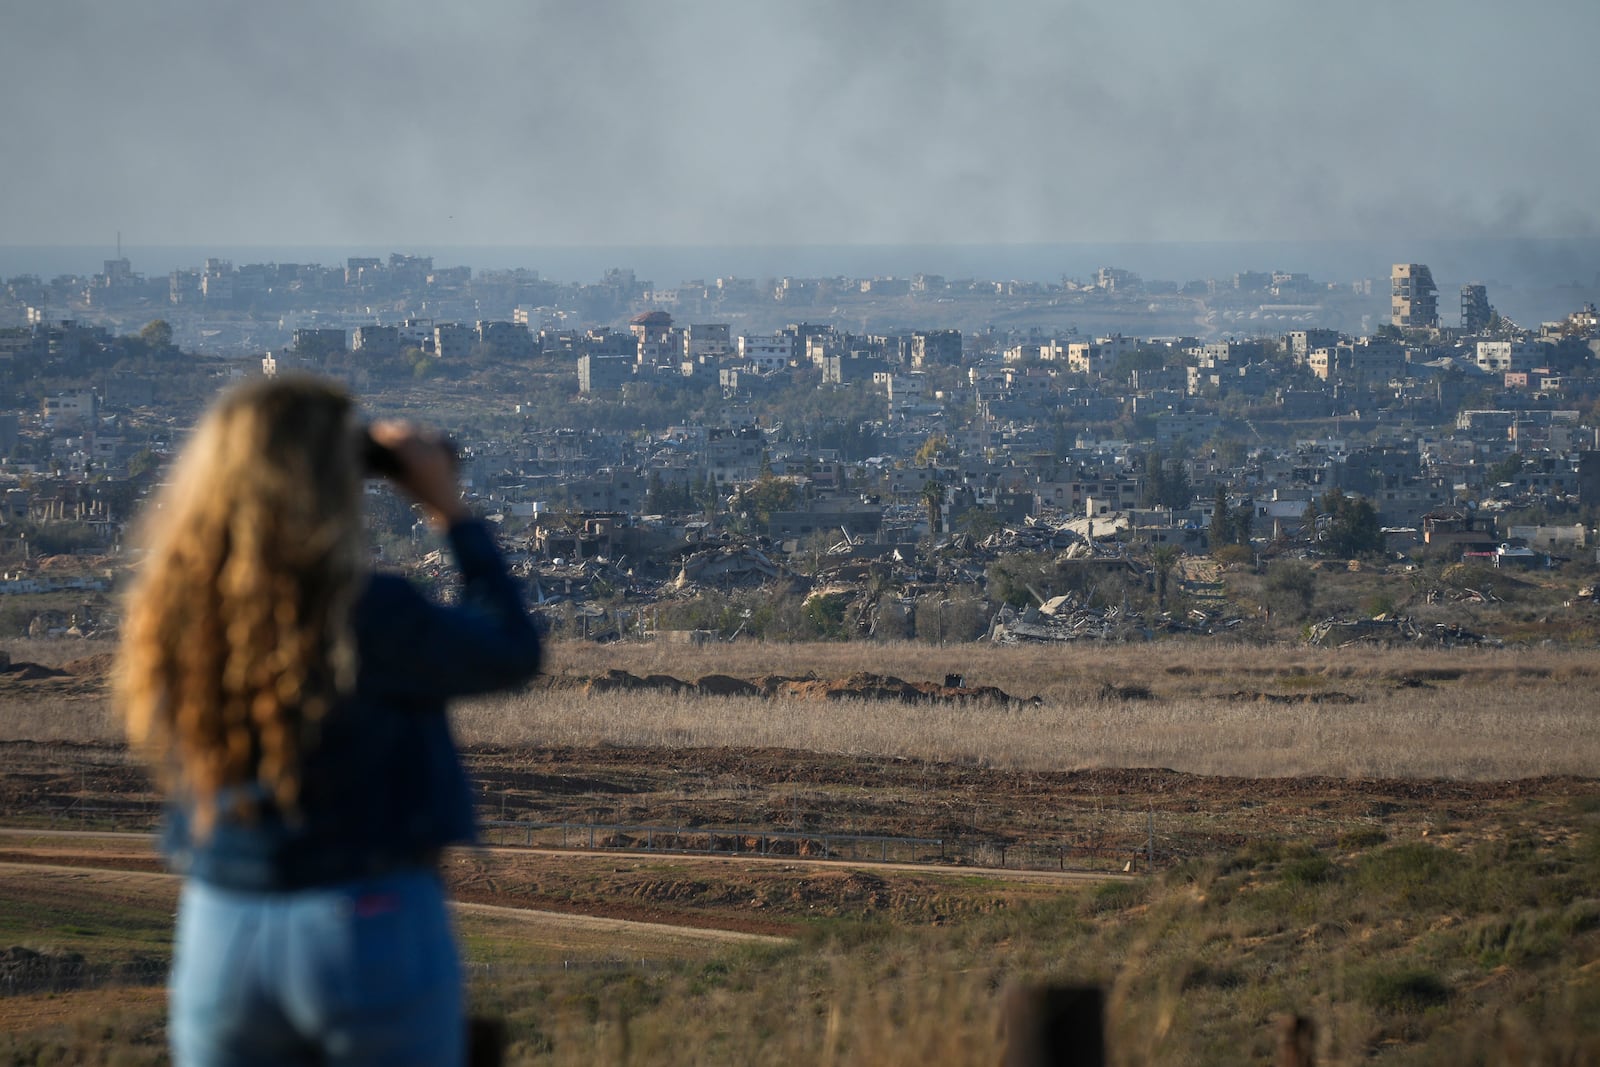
(453, 340)
(1085, 357)
(79, 408)
(377, 342)
(317, 344)
(216, 283)
(1504, 357)
(509, 340)
(1414, 299)
(766, 353)
(1301, 343)
(417, 333)
(708, 340)
(1366, 361)
(603, 374)
(1476, 314)
(935, 346)
(734, 455)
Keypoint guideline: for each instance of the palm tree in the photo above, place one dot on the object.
(933, 497)
(1163, 558)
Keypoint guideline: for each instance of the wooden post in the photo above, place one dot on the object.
(1053, 1026)
(1296, 1042)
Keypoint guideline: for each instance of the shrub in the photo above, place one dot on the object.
(1365, 837)
(1234, 554)
(1407, 990)
(824, 615)
(1114, 896)
(1415, 875)
(1309, 870)
(1377, 604)
(1291, 587)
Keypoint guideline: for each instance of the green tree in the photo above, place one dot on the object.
(1166, 482)
(1352, 528)
(1291, 586)
(766, 495)
(1243, 523)
(933, 499)
(1142, 359)
(157, 334)
(1163, 558)
(1507, 469)
(1230, 451)
(824, 616)
(931, 449)
(1221, 519)
(977, 523)
(141, 463)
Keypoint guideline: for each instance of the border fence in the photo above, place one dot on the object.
(1100, 853)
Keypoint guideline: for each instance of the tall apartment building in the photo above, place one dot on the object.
(1475, 309)
(1414, 298)
(929, 347)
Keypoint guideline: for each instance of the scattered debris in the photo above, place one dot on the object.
(1340, 633)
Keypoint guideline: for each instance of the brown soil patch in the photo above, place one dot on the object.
(983, 817)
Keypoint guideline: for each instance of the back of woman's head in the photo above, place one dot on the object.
(237, 639)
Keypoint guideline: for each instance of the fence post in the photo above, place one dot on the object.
(1053, 1026)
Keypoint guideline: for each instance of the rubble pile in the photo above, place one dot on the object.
(1069, 618)
(1385, 629)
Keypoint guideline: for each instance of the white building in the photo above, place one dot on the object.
(766, 353)
(1503, 357)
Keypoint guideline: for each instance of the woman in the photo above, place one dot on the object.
(294, 705)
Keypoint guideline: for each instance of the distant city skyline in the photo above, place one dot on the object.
(1503, 264)
(404, 125)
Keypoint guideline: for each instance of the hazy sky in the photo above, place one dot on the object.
(416, 122)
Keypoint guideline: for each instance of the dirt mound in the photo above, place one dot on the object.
(28, 672)
(859, 686)
(615, 681)
(1331, 697)
(96, 666)
(1112, 691)
(725, 685)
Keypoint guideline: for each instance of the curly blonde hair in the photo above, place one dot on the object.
(237, 637)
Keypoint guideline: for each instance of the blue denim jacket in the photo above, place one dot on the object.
(384, 787)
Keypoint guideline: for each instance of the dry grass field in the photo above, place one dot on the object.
(1402, 844)
(1203, 708)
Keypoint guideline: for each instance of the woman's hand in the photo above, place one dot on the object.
(427, 469)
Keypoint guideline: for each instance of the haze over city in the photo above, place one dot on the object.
(1038, 516)
(712, 123)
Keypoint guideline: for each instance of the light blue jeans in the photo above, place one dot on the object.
(360, 973)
